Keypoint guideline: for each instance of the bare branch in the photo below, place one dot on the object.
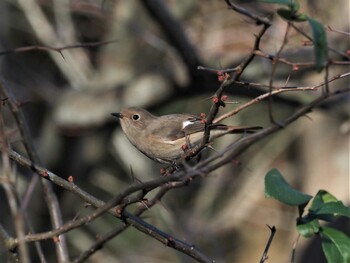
(50, 196)
(275, 91)
(264, 257)
(57, 49)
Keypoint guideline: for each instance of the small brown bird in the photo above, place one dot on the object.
(162, 138)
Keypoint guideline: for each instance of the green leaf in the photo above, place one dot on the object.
(308, 229)
(325, 203)
(292, 4)
(289, 15)
(286, 14)
(277, 187)
(334, 208)
(320, 43)
(301, 18)
(335, 245)
(331, 252)
(321, 198)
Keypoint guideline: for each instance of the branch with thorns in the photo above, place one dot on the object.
(57, 49)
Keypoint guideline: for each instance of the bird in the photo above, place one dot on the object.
(164, 138)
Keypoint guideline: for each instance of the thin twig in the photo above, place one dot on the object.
(217, 101)
(276, 90)
(104, 207)
(243, 11)
(343, 54)
(273, 70)
(145, 205)
(338, 31)
(57, 49)
(101, 240)
(295, 65)
(9, 243)
(294, 250)
(10, 191)
(79, 69)
(49, 195)
(264, 257)
(217, 71)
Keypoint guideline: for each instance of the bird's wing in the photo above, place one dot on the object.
(172, 127)
(175, 126)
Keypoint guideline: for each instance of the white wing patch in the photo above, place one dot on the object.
(186, 123)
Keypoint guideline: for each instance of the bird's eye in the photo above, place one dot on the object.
(135, 117)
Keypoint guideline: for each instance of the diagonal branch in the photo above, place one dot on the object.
(50, 196)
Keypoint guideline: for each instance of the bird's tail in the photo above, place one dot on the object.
(219, 130)
(243, 129)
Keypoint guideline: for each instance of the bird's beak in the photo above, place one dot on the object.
(118, 115)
